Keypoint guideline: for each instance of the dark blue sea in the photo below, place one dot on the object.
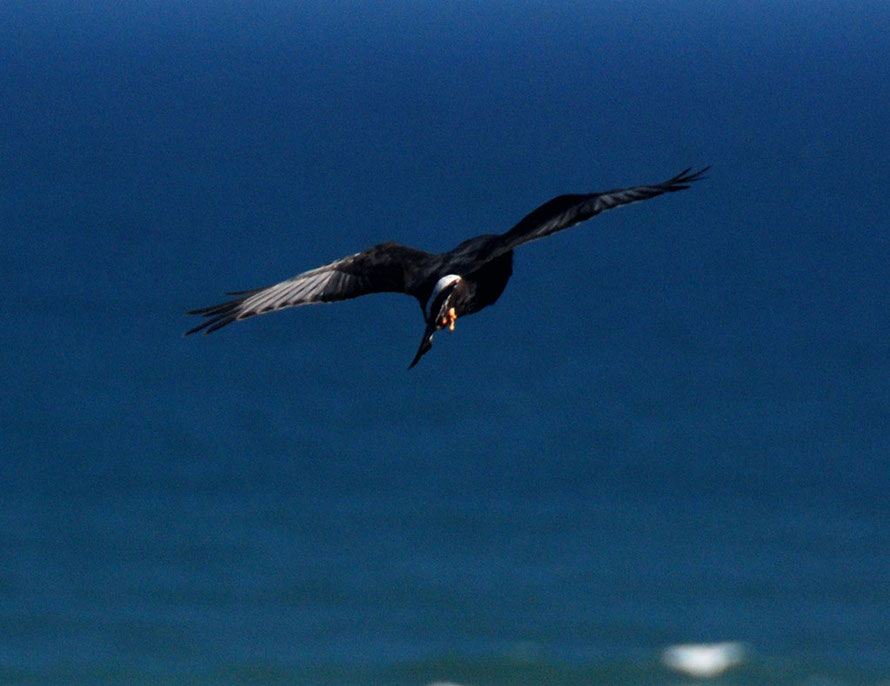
(673, 427)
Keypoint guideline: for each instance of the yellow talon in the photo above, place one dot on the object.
(449, 319)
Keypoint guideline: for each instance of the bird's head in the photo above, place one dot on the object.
(441, 310)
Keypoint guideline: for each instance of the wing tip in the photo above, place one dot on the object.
(220, 315)
(210, 325)
(686, 177)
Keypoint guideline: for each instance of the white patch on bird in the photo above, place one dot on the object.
(444, 282)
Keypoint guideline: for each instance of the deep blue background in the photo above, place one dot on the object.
(673, 426)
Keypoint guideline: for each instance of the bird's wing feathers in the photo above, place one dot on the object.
(388, 267)
(567, 210)
(394, 267)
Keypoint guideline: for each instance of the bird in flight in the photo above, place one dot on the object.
(448, 285)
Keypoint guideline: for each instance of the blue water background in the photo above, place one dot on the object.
(674, 425)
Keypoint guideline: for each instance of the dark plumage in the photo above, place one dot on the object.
(448, 285)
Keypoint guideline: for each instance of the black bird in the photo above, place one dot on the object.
(449, 285)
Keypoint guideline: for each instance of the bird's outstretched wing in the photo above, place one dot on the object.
(567, 210)
(387, 267)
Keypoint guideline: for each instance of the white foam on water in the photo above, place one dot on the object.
(703, 660)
